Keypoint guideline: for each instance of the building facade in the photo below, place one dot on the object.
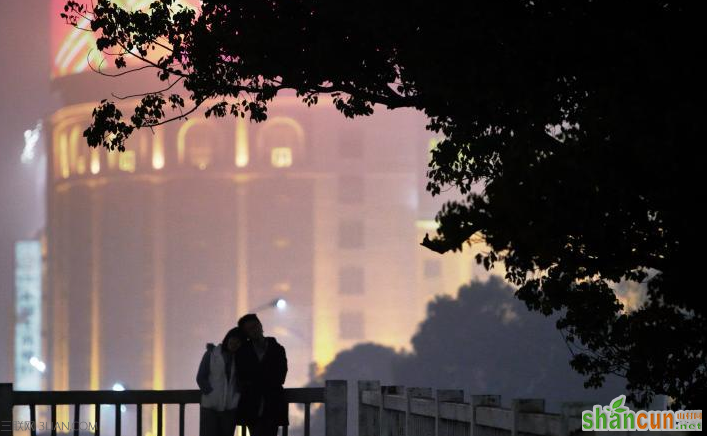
(157, 250)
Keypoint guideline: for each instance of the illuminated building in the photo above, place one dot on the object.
(155, 251)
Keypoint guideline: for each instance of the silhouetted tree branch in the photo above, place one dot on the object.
(577, 119)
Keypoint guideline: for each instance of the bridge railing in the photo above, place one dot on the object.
(333, 396)
(396, 411)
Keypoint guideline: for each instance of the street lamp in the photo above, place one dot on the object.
(37, 364)
(281, 304)
(277, 303)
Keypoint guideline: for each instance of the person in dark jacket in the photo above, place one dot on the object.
(261, 364)
(218, 383)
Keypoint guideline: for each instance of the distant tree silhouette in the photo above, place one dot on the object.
(486, 341)
(483, 341)
(576, 117)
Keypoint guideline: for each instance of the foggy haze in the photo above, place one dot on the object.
(154, 253)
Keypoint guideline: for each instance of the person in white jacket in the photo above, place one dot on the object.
(218, 382)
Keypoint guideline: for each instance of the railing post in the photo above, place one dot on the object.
(568, 410)
(518, 405)
(389, 425)
(481, 401)
(564, 420)
(410, 426)
(368, 424)
(6, 403)
(450, 396)
(335, 408)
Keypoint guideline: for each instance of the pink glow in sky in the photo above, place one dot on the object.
(72, 48)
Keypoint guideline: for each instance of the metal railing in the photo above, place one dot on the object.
(333, 396)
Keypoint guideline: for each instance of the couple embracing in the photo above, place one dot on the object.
(241, 382)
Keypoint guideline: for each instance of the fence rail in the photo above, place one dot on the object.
(333, 395)
(396, 411)
(382, 410)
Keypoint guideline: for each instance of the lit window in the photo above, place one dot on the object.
(200, 144)
(351, 325)
(351, 280)
(127, 161)
(281, 157)
(351, 234)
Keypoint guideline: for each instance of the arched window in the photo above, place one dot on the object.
(281, 142)
(200, 144)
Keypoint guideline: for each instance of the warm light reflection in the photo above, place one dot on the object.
(95, 161)
(241, 143)
(95, 374)
(64, 155)
(74, 137)
(158, 151)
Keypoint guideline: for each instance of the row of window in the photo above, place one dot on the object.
(352, 278)
(92, 162)
(351, 236)
(280, 140)
(351, 188)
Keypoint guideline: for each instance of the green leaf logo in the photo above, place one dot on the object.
(618, 401)
(617, 405)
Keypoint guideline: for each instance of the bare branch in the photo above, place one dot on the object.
(142, 94)
(121, 73)
(178, 117)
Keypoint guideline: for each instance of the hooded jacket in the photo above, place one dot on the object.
(219, 390)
